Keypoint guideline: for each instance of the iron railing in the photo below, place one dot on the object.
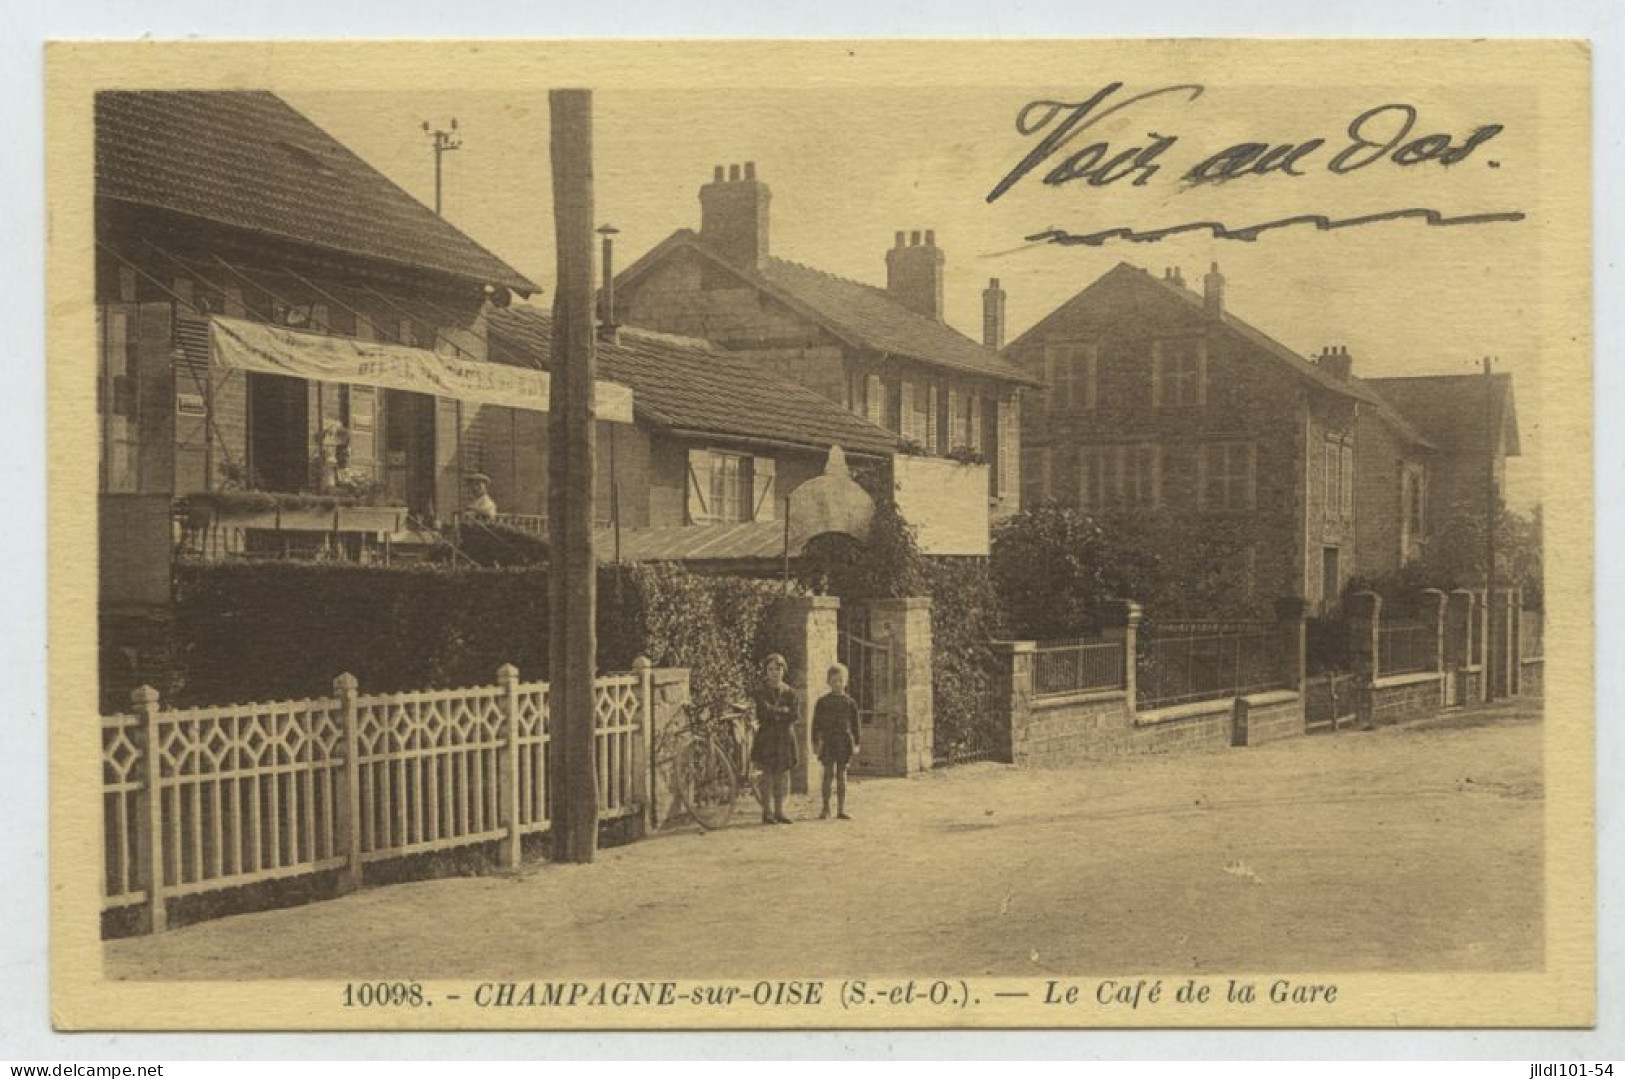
(1183, 668)
(1407, 648)
(1080, 666)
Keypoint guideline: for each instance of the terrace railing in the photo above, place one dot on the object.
(201, 799)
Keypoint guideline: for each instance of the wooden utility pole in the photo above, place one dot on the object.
(572, 599)
(1491, 513)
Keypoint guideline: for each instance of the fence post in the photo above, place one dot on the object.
(642, 787)
(1365, 625)
(508, 680)
(1014, 689)
(150, 819)
(1515, 647)
(1293, 635)
(345, 689)
(1440, 600)
(1127, 630)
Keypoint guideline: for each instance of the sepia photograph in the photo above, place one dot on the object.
(906, 534)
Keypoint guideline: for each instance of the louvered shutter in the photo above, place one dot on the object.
(933, 432)
(764, 490)
(874, 400)
(973, 420)
(699, 486)
(1009, 462)
(955, 420)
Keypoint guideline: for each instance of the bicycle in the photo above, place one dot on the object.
(707, 759)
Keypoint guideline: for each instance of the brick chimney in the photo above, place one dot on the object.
(733, 215)
(914, 274)
(993, 314)
(1173, 276)
(1213, 292)
(1336, 361)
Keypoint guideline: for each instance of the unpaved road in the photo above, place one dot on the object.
(1405, 849)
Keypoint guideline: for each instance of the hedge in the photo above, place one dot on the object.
(261, 631)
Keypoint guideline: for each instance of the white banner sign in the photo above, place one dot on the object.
(277, 350)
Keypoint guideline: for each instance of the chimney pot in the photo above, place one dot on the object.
(931, 237)
(993, 314)
(750, 170)
(1213, 291)
(914, 275)
(734, 216)
(1335, 361)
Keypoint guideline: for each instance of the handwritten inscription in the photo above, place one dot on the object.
(1069, 150)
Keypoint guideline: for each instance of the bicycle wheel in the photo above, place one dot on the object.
(706, 784)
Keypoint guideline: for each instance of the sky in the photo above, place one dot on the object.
(849, 166)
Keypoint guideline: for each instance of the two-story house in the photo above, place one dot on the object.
(886, 354)
(1165, 408)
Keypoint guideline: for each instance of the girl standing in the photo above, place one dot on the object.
(774, 751)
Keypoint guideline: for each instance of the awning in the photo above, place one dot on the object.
(278, 350)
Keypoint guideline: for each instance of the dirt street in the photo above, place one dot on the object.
(1413, 848)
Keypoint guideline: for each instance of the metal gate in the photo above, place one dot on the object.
(873, 683)
(1330, 701)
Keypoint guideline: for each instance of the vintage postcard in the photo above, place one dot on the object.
(661, 535)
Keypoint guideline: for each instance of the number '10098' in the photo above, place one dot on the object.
(383, 995)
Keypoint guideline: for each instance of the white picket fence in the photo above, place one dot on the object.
(244, 793)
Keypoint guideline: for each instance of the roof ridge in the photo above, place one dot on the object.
(885, 294)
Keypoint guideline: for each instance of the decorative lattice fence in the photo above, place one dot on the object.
(245, 793)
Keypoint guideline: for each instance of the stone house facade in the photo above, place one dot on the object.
(1236, 457)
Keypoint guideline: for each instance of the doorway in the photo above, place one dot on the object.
(279, 432)
(409, 451)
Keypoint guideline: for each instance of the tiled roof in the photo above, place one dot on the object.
(247, 159)
(861, 314)
(745, 540)
(682, 384)
(1451, 407)
(1255, 339)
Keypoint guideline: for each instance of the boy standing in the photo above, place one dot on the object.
(835, 737)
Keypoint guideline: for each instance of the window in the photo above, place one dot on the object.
(1225, 476)
(1179, 373)
(1069, 370)
(1337, 475)
(874, 400)
(916, 411)
(116, 402)
(721, 487)
(1413, 495)
(730, 486)
(1127, 476)
(973, 421)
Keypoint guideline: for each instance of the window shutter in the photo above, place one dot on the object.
(974, 420)
(1252, 475)
(933, 433)
(1156, 374)
(1347, 465)
(699, 486)
(955, 420)
(1007, 465)
(764, 492)
(874, 400)
(906, 414)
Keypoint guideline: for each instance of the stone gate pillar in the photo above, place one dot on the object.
(808, 629)
(1458, 644)
(906, 624)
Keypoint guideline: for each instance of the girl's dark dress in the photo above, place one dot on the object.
(835, 727)
(776, 711)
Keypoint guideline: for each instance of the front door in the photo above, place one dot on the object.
(409, 450)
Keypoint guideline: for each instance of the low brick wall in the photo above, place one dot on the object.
(1203, 725)
(1405, 696)
(1063, 730)
(1269, 717)
(1469, 685)
(1533, 683)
